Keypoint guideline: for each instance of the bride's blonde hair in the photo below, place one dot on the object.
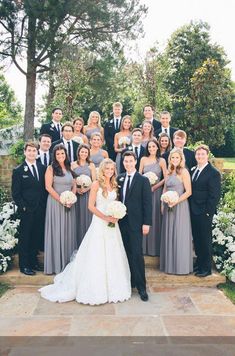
(101, 176)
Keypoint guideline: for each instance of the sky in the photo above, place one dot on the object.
(163, 18)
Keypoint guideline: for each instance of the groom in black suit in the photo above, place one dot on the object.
(29, 194)
(135, 193)
(206, 187)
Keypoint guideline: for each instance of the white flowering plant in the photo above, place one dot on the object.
(8, 235)
(223, 242)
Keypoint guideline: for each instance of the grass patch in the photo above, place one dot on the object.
(229, 290)
(229, 163)
(3, 288)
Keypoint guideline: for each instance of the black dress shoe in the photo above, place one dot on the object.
(143, 296)
(38, 268)
(195, 268)
(28, 271)
(203, 273)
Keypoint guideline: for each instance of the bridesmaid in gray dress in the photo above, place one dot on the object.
(83, 165)
(97, 153)
(125, 131)
(153, 163)
(78, 124)
(147, 132)
(93, 125)
(60, 224)
(176, 254)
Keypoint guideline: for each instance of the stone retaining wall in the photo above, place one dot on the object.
(7, 163)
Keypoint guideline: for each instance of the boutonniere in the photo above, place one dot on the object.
(111, 121)
(121, 179)
(129, 148)
(52, 125)
(26, 168)
(193, 168)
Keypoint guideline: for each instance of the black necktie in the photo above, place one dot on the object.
(127, 187)
(116, 124)
(58, 128)
(45, 159)
(196, 176)
(166, 131)
(34, 172)
(136, 152)
(69, 151)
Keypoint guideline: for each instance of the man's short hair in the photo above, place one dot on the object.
(180, 133)
(137, 129)
(165, 113)
(69, 124)
(30, 144)
(148, 105)
(202, 146)
(117, 104)
(57, 108)
(44, 135)
(129, 154)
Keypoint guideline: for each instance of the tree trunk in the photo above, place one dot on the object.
(30, 79)
(29, 105)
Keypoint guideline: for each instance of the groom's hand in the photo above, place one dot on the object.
(145, 229)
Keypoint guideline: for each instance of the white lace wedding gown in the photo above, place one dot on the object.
(99, 272)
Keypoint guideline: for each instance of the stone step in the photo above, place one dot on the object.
(155, 279)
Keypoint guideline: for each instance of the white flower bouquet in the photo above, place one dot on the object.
(83, 181)
(124, 141)
(117, 210)
(68, 198)
(170, 197)
(78, 139)
(152, 177)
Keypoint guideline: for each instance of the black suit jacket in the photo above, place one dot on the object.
(206, 191)
(190, 160)
(75, 147)
(158, 132)
(29, 193)
(109, 133)
(138, 201)
(50, 129)
(130, 148)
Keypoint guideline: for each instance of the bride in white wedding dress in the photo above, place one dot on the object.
(99, 272)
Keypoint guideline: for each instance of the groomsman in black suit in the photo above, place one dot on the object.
(179, 140)
(44, 155)
(136, 139)
(206, 188)
(111, 127)
(71, 146)
(165, 119)
(53, 128)
(148, 112)
(29, 194)
(135, 193)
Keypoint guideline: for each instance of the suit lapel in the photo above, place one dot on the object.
(203, 172)
(133, 183)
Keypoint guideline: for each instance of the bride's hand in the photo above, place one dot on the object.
(110, 219)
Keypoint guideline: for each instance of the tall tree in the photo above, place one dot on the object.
(186, 52)
(10, 109)
(37, 30)
(209, 104)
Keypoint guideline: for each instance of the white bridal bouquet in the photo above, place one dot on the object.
(170, 198)
(153, 178)
(68, 198)
(83, 181)
(117, 210)
(124, 141)
(78, 139)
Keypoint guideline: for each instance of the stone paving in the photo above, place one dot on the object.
(170, 311)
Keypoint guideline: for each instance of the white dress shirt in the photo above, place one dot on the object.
(200, 169)
(125, 183)
(166, 130)
(41, 154)
(31, 168)
(117, 121)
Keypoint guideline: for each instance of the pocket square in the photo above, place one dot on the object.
(25, 176)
